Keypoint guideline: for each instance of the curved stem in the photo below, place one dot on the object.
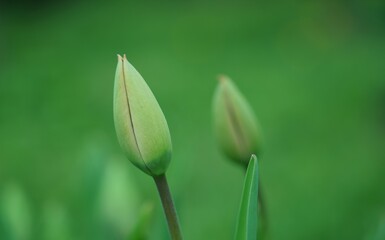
(168, 207)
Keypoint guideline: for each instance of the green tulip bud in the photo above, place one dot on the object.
(140, 124)
(235, 124)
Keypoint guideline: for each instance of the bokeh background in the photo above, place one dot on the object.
(314, 72)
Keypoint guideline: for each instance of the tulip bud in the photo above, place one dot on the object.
(140, 124)
(235, 124)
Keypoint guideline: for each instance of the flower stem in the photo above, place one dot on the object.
(168, 207)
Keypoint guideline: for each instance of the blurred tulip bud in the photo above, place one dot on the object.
(235, 124)
(140, 124)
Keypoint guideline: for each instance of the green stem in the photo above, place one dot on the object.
(168, 207)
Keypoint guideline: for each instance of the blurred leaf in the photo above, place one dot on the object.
(56, 222)
(140, 231)
(248, 217)
(15, 212)
(118, 201)
(379, 234)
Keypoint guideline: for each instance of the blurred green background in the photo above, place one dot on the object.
(314, 72)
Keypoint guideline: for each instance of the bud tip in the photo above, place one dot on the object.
(222, 78)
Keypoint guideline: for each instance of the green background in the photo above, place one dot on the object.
(314, 72)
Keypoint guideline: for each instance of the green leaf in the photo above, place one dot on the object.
(248, 217)
(380, 232)
(140, 231)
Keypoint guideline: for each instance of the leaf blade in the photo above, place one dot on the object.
(248, 217)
